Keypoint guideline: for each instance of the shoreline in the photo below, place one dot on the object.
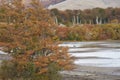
(92, 73)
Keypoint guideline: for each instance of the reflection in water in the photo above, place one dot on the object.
(100, 54)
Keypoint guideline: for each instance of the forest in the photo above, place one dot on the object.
(88, 16)
(87, 25)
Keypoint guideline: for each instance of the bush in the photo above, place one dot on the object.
(10, 71)
(90, 32)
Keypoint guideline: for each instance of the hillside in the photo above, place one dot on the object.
(85, 4)
(45, 3)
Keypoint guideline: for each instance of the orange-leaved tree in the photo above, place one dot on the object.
(27, 35)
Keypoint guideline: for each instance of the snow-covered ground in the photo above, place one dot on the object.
(1, 52)
(100, 54)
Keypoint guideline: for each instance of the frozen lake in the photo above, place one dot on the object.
(99, 54)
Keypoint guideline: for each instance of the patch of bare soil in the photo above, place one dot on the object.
(92, 73)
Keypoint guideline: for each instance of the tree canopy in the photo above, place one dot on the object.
(26, 33)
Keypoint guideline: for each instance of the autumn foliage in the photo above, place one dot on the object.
(26, 33)
(89, 32)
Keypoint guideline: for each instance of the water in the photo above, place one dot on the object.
(99, 54)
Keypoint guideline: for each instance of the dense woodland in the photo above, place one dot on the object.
(88, 16)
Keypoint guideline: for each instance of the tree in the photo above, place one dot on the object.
(27, 36)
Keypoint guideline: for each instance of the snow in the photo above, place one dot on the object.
(113, 54)
(1, 52)
(99, 62)
(104, 54)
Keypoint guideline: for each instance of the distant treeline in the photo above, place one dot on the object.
(88, 16)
